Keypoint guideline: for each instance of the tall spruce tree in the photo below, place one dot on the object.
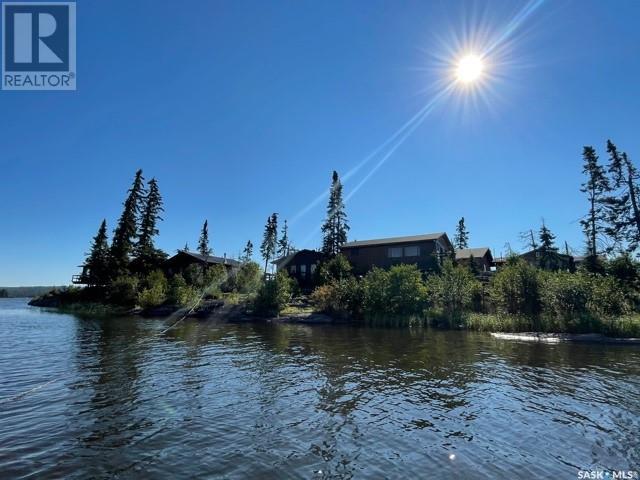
(461, 238)
(335, 227)
(125, 233)
(623, 205)
(148, 256)
(203, 241)
(247, 253)
(597, 188)
(97, 262)
(284, 245)
(548, 251)
(269, 240)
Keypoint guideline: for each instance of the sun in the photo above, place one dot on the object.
(469, 68)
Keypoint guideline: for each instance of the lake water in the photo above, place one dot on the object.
(120, 399)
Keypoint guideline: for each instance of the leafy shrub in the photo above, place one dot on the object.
(454, 290)
(340, 298)
(337, 268)
(193, 275)
(123, 291)
(155, 289)
(273, 295)
(179, 293)
(399, 291)
(608, 298)
(246, 279)
(213, 278)
(565, 295)
(515, 289)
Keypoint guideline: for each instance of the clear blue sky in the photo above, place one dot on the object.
(242, 108)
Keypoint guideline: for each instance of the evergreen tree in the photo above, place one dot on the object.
(269, 240)
(203, 242)
(150, 217)
(148, 257)
(126, 231)
(335, 227)
(247, 253)
(623, 206)
(596, 186)
(548, 258)
(186, 247)
(97, 262)
(284, 246)
(461, 238)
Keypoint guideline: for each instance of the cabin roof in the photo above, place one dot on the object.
(393, 240)
(478, 252)
(210, 259)
(284, 261)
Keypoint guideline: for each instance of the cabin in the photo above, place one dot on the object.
(533, 257)
(183, 259)
(301, 265)
(482, 258)
(426, 251)
(561, 261)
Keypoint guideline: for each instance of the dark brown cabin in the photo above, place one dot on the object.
(559, 261)
(482, 258)
(301, 265)
(181, 260)
(426, 251)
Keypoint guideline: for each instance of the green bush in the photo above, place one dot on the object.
(273, 295)
(246, 279)
(154, 291)
(515, 289)
(123, 291)
(213, 278)
(565, 295)
(399, 291)
(608, 297)
(455, 290)
(179, 293)
(151, 297)
(337, 268)
(340, 298)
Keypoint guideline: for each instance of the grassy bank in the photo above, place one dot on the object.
(624, 327)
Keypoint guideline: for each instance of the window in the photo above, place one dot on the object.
(292, 269)
(412, 251)
(303, 270)
(313, 267)
(395, 252)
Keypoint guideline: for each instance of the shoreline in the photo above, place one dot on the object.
(217, 311)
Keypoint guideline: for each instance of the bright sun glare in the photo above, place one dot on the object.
(469, 69)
